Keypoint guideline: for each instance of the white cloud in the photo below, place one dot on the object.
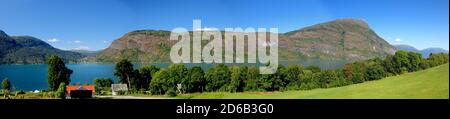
(398, 40)
(77, 41)
(81, 48)
(53, 40)
(105, 41)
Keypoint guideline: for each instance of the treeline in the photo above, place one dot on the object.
(179, 79)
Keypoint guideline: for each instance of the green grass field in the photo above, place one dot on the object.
(427, 84)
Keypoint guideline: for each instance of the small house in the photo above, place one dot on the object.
(77, 91)
(115, 88)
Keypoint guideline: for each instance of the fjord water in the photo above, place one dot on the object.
(34, 76)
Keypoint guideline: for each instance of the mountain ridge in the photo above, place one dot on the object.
(30, 50)
(341, 39)
(425, 52)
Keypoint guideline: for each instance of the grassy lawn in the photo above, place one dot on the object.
(426, 84)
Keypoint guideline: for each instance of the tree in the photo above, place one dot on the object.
(313, 68)
(102, 83)
(414, 61)
(168, 79)
(358, 77)
(330, 78)
(217, 78)
(124, 70)
(374, 72)
(6, 84)
(177, 73)
(236, 79)
(292, 72)
(146, 74)
(158, 84)
(196, 80)
(307, 80)
(424, 64)
(57, 73)
(436, 59)
(279, 77)
(252, 79)
(61, 92)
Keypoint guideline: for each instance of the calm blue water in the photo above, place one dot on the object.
(34, 77)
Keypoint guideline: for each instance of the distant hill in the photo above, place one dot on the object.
(86, 52)
(425, 52)
(30, 50)
(342, 39)
(407, 48)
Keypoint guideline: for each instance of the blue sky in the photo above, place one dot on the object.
(94, 24)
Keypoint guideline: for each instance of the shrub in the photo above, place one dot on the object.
(61, 92)
(171, 93)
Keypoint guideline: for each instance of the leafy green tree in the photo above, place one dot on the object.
(158, 84)
(436, 59)
(178, 73)
(217, 78)
(307, 80)
(278, 79)
(102, 83)
(195, 81)
(414, 61)
(124, 70)
(388, 64)
(313, 68)
(374, 72)
(168, 79)
(237, 77)
(354, 72)
(425, 64)
(265, 82)
(6, 84)
(146, 74)
(61, 92)
(358, 77)
(292, 72)
(57, 72)
(330, 78)
(398, 63)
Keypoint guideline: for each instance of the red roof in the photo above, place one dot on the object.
(83, 87)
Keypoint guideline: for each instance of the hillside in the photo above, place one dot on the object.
(348, 39)
(30, 50)
(432, 83)
(138, 46)
(86, 53)
(407, 48)
(425, 52)
(343, 39)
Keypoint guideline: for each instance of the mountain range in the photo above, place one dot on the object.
(425, 52)
(30, 50)
(342, 39)
(337, 40)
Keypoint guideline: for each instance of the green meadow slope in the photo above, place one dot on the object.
(426, 84)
